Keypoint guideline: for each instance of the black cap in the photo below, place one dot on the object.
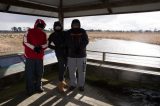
(57, 23)
(76, 21)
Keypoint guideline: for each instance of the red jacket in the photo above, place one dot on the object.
(35, 37)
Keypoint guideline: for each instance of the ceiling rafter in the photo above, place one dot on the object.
(85, 9)
(112, 4)
(29, 5)
(106, 2)
(7, 8)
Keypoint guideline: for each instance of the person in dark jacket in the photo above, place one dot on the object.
(56, 41)
(77, 40)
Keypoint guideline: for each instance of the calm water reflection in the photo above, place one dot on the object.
(126, 47)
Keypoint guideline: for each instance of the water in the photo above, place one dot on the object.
(126, 47)
(115, 46)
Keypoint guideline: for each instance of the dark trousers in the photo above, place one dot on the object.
(33, 72)
(62, 63)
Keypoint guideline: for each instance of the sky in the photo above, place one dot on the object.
(134, 21)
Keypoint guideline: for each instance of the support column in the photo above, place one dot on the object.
(60, 13)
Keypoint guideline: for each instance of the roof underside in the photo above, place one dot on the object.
(75, 8)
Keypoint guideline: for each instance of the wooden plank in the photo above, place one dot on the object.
(29, 5)
(61, 13)
(109, 4)
(106, 2)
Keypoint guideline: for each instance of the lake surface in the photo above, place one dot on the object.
(111, 46)
(126, 47)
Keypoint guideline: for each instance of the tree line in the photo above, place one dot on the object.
(23, 29)
(19, 29)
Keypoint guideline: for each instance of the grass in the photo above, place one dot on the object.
(12, 42)
(147, 37)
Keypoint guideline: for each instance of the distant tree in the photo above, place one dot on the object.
(91, 30)
(11, 29)
(148, 31)
(155, 30)
(140, 30)
(14, 29)
(23, 28)
(19, 29)
(50, 29)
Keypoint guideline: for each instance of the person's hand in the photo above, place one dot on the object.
(37, 49)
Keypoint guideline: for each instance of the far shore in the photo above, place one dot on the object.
(10, 42)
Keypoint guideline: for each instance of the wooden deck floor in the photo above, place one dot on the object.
(51, 97)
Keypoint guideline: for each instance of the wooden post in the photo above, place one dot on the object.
(60, 13)
(103, 56)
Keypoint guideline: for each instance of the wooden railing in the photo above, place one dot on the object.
(104, 54)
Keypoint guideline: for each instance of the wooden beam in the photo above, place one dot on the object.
(29, 5)
(27, 14)
(114, 4)
(7, 8)
(128, 12)
(60, 13)
(106, 2)
(133, 2)
(109, 7)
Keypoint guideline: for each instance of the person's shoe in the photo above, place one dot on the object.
(61, 87)
(71, 88)
(81, 89)
(40, 90)
(65, 85)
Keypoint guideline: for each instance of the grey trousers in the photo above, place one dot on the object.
(33, 73)
(74, 65)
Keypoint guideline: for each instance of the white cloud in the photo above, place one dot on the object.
(9, 20)
(136, 21)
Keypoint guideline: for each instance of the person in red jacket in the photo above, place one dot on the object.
(35, 42)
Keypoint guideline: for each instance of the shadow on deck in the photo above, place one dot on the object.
(91, 96)
(107, 84)
(96, 94)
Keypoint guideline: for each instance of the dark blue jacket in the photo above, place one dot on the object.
(76, 41)
(58, 39)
